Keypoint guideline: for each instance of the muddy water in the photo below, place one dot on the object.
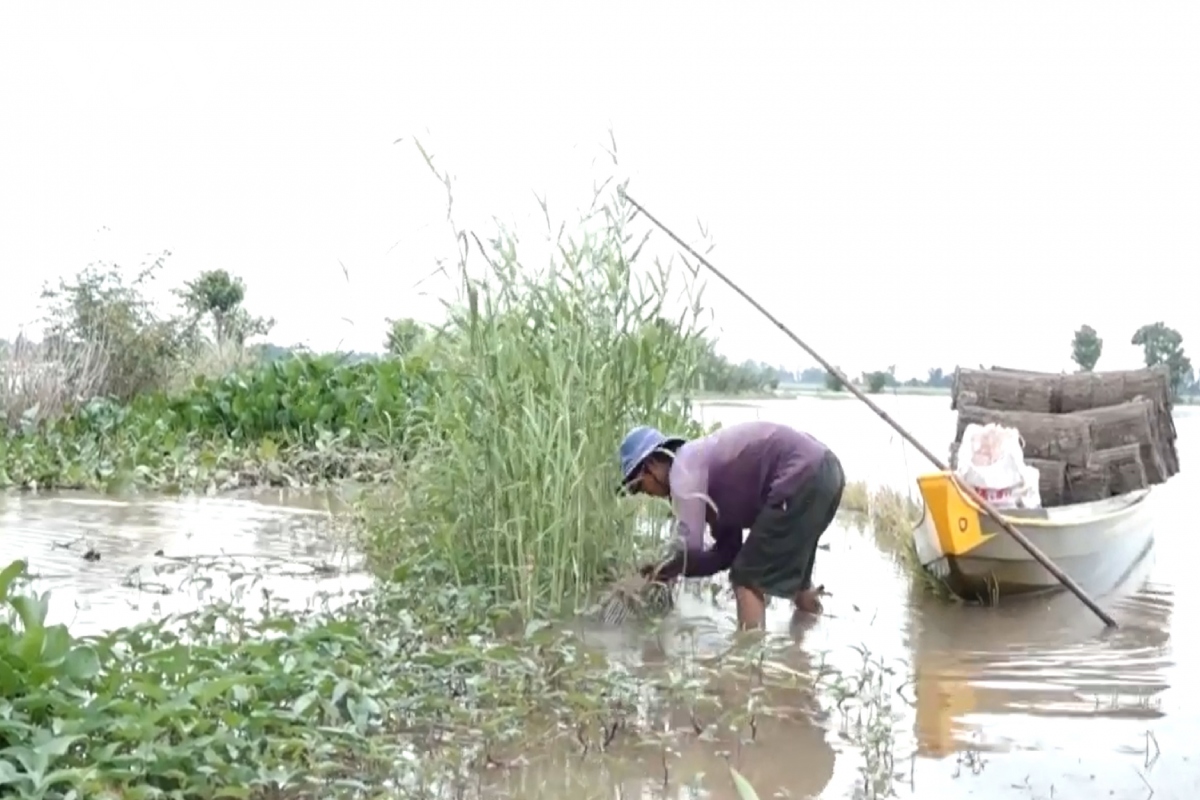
(113, 562)
(1034, 700)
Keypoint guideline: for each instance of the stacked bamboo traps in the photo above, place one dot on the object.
(1091, 435)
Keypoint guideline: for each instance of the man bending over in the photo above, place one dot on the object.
(781, 483)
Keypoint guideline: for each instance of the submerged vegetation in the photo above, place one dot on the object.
(490, 441)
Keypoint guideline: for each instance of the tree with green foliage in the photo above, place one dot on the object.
(1164, 345)
(404, 336)
(879, 380)
(833, 383)
(876, 381)
(218, 295)
(1086, 348)
(939, 378)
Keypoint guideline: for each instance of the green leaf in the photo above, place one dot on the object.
(9, 774)
(209, 690)
(10, 573)
(744, 789)
(32, 610)
(33, 761)
(56, 746)
(57, 645)
(82, 663)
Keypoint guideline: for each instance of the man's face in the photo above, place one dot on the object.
(652, 479)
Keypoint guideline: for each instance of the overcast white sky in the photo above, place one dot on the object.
(915, 184)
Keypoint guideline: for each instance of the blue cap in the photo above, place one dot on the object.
(638, 445)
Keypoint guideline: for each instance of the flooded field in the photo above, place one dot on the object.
(1034, 700)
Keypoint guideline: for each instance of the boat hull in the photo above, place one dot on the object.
(1097, 543)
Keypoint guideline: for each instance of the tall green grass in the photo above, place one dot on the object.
(547, 366)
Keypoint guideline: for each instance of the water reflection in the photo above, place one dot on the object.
(972, 666)
(791, 752)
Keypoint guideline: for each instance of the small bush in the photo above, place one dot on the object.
(102, 310)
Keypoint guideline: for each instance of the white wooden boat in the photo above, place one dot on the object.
(1095, 543)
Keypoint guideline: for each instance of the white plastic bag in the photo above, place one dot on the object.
(1031, 494)
(991, 461)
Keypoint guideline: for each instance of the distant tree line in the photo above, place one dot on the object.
(876, 381)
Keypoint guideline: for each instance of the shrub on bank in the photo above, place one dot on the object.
(105, 315)
(103, 337)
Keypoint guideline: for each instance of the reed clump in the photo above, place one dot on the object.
(544, 366)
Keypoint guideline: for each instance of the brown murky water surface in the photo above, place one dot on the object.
(163, 555)
(1032, 700)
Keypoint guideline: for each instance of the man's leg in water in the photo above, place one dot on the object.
(824, 500)
(808, 599)
(751, 608)
(777, 556)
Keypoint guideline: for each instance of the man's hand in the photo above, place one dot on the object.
(650, 573)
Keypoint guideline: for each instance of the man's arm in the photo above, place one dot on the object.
(707, 562)
(689, 498)
(727, 544)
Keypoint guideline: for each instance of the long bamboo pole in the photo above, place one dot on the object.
(987, 507)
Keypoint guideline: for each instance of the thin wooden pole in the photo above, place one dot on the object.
(987, 507)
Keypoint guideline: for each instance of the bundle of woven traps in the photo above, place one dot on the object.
(634, 597)
(1091, 435)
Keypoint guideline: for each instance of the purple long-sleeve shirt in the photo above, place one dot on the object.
(725, 479)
